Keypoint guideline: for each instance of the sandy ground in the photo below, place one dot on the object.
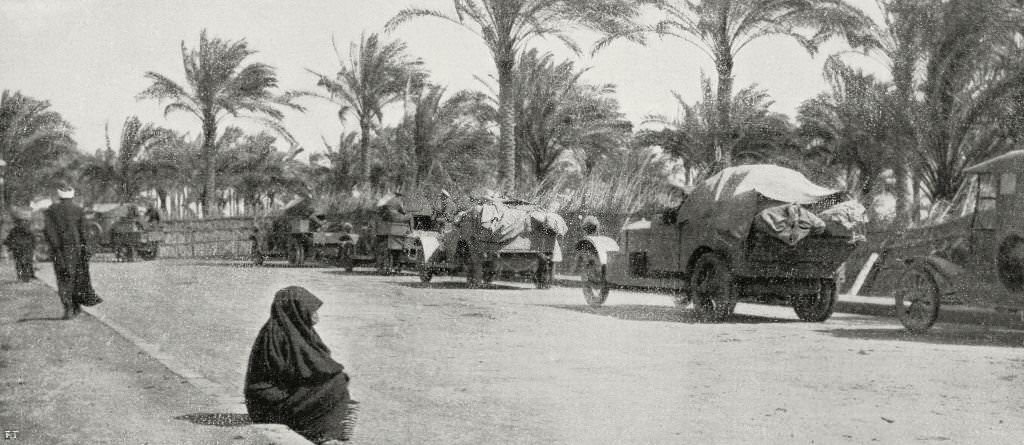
(78, 382)
(441, 363)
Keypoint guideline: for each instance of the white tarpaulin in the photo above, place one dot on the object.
(729, 200)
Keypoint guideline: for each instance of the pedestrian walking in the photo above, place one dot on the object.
(22, 244)
(292, 379)
(65, 233)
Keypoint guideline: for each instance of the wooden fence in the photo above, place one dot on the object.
(207, 238)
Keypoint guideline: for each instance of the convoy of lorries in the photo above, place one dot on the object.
(759, 233)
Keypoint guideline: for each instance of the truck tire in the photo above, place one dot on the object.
(713, 288)
(296, 253)
(818, 307)
(150, 252)
(917, 299)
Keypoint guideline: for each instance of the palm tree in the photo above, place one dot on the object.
(759, 135)
(558, 116)
(377, 74)
(126, 172)
(438, 127)
(335, 170)
(721, 29)
(973, 68)
(855, 123)
(219, 87)
(506, 26)
(256, 169)
(34, 140)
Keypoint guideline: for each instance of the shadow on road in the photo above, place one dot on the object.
(457, 285)
(637, 312)
(28, 319)
(364, 272)
(938, 334)
(217, 419)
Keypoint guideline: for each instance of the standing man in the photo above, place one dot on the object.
(65, 232)
(22, 245)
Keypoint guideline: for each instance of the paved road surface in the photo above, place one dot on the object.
(441, 363)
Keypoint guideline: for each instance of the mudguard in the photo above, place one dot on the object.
(430, 244)
(944, 272)
(601, 244)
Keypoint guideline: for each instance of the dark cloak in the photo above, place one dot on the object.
(292, 378)
(65, 233)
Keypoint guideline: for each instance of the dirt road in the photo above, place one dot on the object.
(441, 363)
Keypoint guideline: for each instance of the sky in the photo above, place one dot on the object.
(88, 58)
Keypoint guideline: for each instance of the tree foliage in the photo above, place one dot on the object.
(220, 86)
(507, 26)
(34, 142)
(376, 74)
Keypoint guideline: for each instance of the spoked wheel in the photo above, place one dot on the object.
(917, 299)
(818, 307)
(592, 275)
(714, 294)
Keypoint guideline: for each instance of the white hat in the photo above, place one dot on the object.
(65, 192)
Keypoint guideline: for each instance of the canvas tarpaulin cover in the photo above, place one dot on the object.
(729, 200)
(496, 222)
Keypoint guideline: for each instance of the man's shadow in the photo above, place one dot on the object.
(217, 419)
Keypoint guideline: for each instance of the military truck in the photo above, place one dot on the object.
(494, 238)
(120, 228)
(755, 232)
(299, 234)
(973, 255)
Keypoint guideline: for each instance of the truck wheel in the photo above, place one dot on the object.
(425, 273)
(150, 253)
(298, 254)
(713, 288)
(594, 279)
(818, 307)
(917, 299)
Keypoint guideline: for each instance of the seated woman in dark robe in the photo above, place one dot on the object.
(292, 379)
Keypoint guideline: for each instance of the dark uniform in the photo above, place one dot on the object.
(65, 232)
(22, 244)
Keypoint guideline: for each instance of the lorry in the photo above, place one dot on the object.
(122, 229)
(760, 233)
(494, 238)
(299, 234)
(973, 254)
(388, 246)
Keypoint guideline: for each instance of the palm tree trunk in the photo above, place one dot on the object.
(723, 65)
(507, 121)
(209, 167)
(364, 150)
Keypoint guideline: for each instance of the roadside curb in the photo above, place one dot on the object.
(275, 433)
